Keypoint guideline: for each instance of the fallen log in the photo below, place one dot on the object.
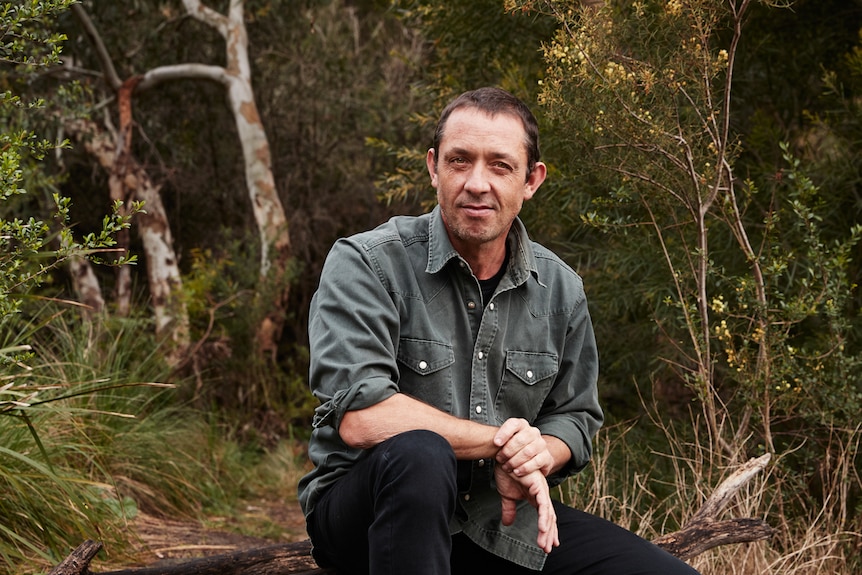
(78, 561)
(703, 532)
(279, 559)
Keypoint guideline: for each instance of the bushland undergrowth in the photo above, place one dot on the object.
(750, 298)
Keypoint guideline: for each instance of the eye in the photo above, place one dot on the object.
(458, 161)
(502, 167)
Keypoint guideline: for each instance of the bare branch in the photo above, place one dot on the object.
(110, 73)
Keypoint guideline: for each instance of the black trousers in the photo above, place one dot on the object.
(390, 515)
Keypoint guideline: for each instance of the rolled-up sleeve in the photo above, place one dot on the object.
(571, 412)
(353, 327)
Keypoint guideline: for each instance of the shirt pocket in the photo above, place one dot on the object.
(425, 371)
(526, 382)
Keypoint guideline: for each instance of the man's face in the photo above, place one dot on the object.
(481, 176)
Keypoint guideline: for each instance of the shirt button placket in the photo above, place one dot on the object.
(480, 356)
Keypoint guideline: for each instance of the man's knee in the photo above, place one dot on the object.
(420, 448)
(420, 460)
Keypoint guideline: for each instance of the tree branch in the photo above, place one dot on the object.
(209, 16)
(110, 73)
(163, 74)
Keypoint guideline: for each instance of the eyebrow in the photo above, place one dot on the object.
(457, 151)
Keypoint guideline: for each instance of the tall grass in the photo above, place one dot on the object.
(90, 436)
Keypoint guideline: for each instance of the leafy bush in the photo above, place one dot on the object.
(750, 297)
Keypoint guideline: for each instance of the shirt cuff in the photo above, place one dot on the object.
(358, 396)
(579, 443)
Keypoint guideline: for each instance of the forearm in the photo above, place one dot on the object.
(368, 427)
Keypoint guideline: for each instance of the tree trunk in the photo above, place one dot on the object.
(268, 210)
(86, 286)
(84, 283)
(130, 179)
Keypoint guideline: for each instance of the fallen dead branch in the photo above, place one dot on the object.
(703, 532)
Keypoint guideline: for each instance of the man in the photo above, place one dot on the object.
(456, 368)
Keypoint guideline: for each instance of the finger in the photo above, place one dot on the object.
(524, 442)
(510, 508)
(525, 462)
(508, 430)
(548, 533)
(550, 540)
(548, 536)
(532, 455)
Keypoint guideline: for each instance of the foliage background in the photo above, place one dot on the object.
(96, 426)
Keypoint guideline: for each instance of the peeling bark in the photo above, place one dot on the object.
(129, 178)
(86, 285)
(123, 184)
(128, 181)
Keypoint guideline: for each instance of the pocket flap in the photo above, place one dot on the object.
(531, 367)
(425, 356)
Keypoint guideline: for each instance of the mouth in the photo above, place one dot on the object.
(476, 210)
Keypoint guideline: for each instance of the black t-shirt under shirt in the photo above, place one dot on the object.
(489, 285)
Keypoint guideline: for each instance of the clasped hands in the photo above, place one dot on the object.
(523, 462)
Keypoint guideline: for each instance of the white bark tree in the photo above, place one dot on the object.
(268, 210)
(129, 181)
(86, 286)
(163, 274)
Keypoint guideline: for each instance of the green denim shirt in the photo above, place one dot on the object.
(398, 310)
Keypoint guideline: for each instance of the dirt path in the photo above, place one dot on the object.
(163, 540)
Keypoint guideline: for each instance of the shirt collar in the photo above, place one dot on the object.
(440, 249)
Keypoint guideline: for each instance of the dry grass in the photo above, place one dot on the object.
(817, 533)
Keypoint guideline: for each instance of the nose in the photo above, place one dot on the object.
(477, 180)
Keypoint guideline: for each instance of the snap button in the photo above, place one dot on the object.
(481, 463)
(491, 306)
(529, 373)
(471, 305)
(423, 365)
(481, 355)
(478, 409)
(467, 497)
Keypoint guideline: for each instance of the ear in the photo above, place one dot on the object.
(431, 164)
(537, 176)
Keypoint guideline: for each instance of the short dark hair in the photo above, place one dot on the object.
(494, 101)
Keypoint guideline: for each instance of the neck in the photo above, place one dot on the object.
(485, 260)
